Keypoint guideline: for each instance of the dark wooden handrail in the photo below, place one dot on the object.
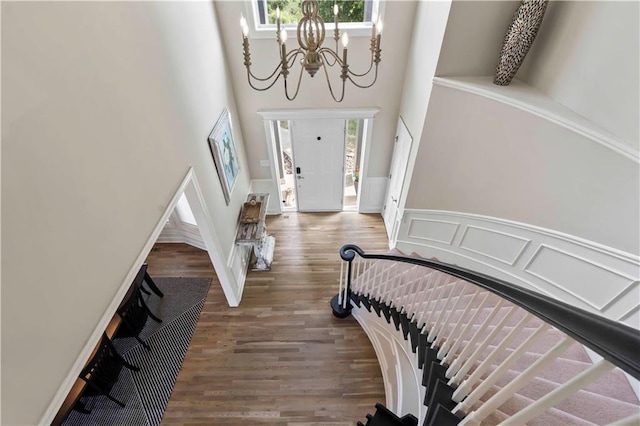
(614, 341)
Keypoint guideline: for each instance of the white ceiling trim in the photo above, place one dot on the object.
(293, 114)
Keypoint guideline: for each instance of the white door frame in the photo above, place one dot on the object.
(275, 167)
(397, 217)
(366, 114)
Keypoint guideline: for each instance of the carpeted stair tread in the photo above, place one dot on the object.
(584, 405)
(540, 386)
(578, 409)
(552, 417)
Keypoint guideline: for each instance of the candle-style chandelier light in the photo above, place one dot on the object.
(311, 53)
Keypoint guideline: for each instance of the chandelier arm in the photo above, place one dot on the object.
(367, 71)
(364, 73)
(286, 90)
(321, 50)
(368, 85)
(324, 51)
(332, 55)
(264, 88)
(267, 78)
(326, 75)
(292, 55)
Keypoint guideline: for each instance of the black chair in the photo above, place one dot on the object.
(147, 279)
(101, 373)
(135, 312)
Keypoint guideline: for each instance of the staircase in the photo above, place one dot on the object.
(483, 351)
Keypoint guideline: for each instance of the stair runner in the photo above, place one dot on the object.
(606, 400)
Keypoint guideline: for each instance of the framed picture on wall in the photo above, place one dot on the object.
(225, 155)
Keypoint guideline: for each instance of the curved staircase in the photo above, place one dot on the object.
(483, 351)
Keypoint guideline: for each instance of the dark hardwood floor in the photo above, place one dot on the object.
(280, 358)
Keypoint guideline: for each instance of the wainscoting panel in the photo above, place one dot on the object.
(579, 277)
(399, 365)
(591, 276)
(238, 262)
(500, 246)
(373, 192)
(438, 231)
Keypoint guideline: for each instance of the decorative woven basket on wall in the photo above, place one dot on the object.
(518, 40)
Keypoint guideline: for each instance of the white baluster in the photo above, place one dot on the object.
(470, 382)
(518, 383)
(382, 281)
(432, 315)
(341, 282)
(368, 279)
(560, 394)
(356, 279)
(397, 284)
(414, 302)
(443, 319)
(349, 274)
(408, 289)
(429, 286)
(444, 346)
(434, 285)
(445, 296)
(375, 281)
(468, 328)
(457, 363)
(457, 378)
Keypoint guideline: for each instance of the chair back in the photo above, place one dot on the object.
(103, 370)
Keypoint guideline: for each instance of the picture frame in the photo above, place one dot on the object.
(225, 155)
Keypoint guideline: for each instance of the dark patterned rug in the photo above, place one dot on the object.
(146, 392)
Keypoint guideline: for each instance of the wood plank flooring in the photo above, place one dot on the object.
(281, 358)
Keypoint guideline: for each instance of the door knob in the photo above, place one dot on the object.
(395, 200)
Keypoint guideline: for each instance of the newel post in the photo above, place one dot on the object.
(341, 302)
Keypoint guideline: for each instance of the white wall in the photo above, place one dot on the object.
(586, 58)
(473, 38)
(485, 157)
(385, 94)
(479, 156)
(104, 107)
(424, 52)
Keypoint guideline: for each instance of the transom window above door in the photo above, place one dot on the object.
(357, 16)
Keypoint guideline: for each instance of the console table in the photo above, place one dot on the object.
(255, 235)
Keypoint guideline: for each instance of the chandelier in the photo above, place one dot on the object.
(311, 53)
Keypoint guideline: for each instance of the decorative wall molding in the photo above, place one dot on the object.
(399, 365)
(586, 274)
(529, 99)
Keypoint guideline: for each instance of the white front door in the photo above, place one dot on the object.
(318, 157)
(399, 161)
